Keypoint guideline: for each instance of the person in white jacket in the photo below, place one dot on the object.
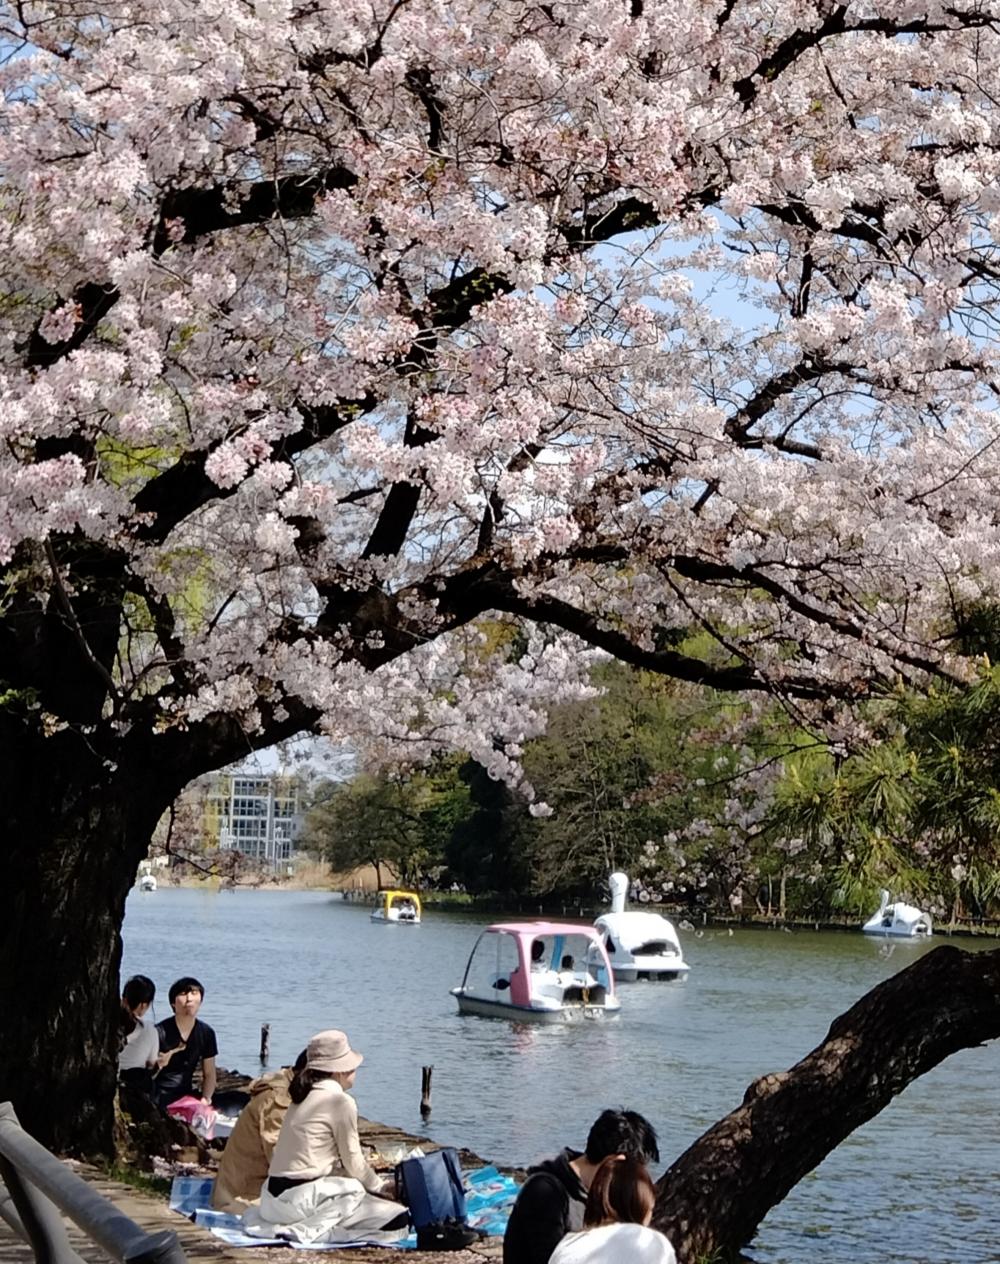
(140, 1045)
(616, 1220)
(320, 1187)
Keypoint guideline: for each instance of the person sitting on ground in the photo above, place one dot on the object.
(140, 1041)
(247, 1156)
(317, 1171)
(551, 1201)
(186, 1043)
(616, 1219)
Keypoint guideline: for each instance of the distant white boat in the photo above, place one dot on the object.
(639, 945)
(147, 882)
(901, 920)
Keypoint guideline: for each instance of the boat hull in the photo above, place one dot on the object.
(566, 1014)
(379, 916)
(636, 971)
(887, 932)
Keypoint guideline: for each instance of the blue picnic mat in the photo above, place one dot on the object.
(489, 1196)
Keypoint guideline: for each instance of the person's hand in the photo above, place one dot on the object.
(167, 1054)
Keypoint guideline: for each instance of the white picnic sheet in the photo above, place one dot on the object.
(489, 1196)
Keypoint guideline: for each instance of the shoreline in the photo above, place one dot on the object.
(526, 909)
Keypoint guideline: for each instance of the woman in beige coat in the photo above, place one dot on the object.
(244, 1163)
(320, 1187)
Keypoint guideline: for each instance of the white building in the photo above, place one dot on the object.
(258, 816)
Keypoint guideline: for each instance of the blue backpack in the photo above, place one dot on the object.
(431, 1186)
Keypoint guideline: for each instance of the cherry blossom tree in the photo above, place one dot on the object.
(330, 327)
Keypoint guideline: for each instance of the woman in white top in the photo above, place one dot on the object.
(320, 1187)
(140, 1043)
(616, 1220)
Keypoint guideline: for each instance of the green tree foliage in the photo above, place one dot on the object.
(398, 825)
(918, 810)
(621, 776)
(644, 777)
(486, 851)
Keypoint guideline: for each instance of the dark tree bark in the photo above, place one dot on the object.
(712, 1200)
(75, 828)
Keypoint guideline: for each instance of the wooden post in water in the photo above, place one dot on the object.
(425, 1091)
(265, 1042)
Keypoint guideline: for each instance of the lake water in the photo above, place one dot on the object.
(917, 1184)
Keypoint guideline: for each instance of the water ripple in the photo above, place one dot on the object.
(916, 1184)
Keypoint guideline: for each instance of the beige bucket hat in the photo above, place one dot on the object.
(331, 1051)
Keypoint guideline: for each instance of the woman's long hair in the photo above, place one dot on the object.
(137, 991)
(620, 1193)
(303, 1083)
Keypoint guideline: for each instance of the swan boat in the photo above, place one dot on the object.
(900, 920)
(401, 907)
(147, 882)
(639, 945)
(546, 972)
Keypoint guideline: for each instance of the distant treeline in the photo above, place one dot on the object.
(710, 807)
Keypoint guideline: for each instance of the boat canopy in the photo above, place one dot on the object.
(632, 931)
(389, 898)
(524, 935)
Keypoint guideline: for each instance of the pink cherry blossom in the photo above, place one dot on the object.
(341, 329)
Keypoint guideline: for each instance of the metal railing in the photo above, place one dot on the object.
(38, 1187)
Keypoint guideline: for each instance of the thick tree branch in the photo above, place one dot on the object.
(835, 23)
(184, 488)
(470, 594)
(712, 1200)
(199, 212)
(764, 399)
(390, 531)
(704, 571)
(92, 303)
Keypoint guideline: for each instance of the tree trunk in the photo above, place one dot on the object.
(75, 827)
(712, 1200)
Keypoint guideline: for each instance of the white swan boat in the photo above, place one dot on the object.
(900, 920)
(639, 945)
(538, 971)
(147, 882)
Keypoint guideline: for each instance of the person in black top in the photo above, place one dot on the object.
(551, 1201)
(185, 1044)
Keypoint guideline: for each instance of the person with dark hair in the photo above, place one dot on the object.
(186, 1043)
(551, 1201)
(616, 1219)
(140, 1045)
(247, 1156)
(319, 1184)
(536, 965)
